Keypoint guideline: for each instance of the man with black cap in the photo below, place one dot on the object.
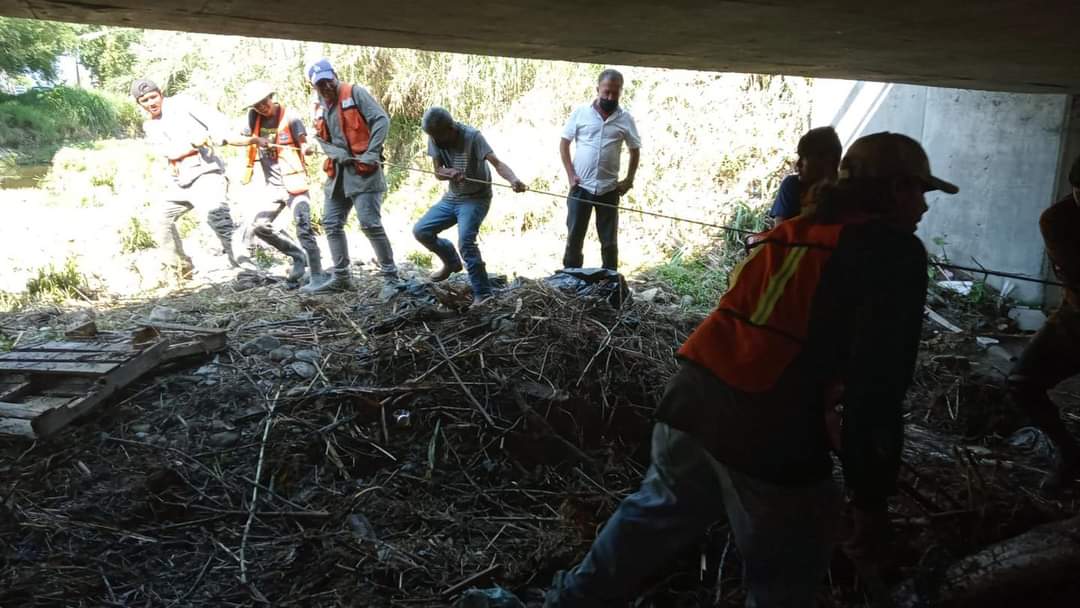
(185, 133)
(1054, 354)
(351, 128)
(277, 140)
(819, 155)
(829, 301)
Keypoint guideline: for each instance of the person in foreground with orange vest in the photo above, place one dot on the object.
(184, 132)
(351, 127)
(832, 297)
(277, 140)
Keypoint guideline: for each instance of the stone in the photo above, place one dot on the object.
(141, 428)
(262, 344)
(687, 301)
(1028, 319)
(224, 439)
(281, 354)
(308, 356)
(649, 295)
(164, 314)
(303, 369)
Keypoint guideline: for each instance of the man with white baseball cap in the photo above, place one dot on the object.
(277, 141)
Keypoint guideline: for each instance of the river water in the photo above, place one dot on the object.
(22, 176)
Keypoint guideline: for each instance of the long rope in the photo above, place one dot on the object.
(977, 271)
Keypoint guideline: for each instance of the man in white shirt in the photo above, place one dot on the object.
(185, 132)
(599, 130)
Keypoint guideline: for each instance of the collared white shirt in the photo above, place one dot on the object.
(598, 145)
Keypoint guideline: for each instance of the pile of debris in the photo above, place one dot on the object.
(396, 447)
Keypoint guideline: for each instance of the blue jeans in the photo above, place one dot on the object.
(468, 215)
(785, 534)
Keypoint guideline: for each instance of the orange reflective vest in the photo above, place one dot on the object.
(761, 323)
(292, 164)
(353, 124)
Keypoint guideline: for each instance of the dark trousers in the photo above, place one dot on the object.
(577, 224)
(1051, 357)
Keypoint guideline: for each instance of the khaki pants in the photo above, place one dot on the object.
(208, 197)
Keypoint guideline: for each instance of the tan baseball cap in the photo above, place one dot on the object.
(888, 155)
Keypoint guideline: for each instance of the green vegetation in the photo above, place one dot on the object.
(53, 116)
(29, 45)
(420, 259)
(701, 276)
(136, 237)
(58, 284)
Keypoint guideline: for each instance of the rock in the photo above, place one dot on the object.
(164, 314)
(142, 435)
(262, 344)
(224, 439)
(361, 527)
(303, 369)
(649, 295)
(1028, 319)
(309, 356)
(496, 597)
(687, 301)
(281, 354)
(985, 341)
(141, 428)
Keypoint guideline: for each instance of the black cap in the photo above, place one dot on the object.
(143, 86)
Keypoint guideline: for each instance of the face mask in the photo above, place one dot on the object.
(608, 105)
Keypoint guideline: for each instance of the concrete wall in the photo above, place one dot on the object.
(1002, 149)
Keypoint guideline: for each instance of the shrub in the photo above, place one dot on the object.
(136, 238)
(420, 259)
(58, 284)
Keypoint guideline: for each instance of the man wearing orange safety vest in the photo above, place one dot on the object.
(351, 127)
(276, 139)
(831, 298)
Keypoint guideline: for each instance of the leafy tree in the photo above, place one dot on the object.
(109, 53)
(29, 45)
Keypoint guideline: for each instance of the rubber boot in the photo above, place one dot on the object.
(1065, 469)
(316, 275)
(334, 284)
(444, 273)
(278, 240)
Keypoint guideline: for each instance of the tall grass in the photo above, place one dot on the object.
(53, 116)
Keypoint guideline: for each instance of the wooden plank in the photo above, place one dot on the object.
(195, 329)
(98, 346)
(25, 411)
(203, 345)
(16, 427)
(46, 403)
(56, 419)
(58, 367)
(84, 357)
(66, 386)
(11, 391)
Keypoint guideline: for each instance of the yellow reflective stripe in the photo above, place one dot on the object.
(776, 285)
(735, 272)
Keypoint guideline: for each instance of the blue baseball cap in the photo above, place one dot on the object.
(320, 70)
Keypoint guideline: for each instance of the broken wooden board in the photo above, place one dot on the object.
(45, 387)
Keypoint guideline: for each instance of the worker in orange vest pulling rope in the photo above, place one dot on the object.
(831, 298)
(351, 128)
(277, 141)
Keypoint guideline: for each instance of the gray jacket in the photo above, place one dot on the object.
(338, 149)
